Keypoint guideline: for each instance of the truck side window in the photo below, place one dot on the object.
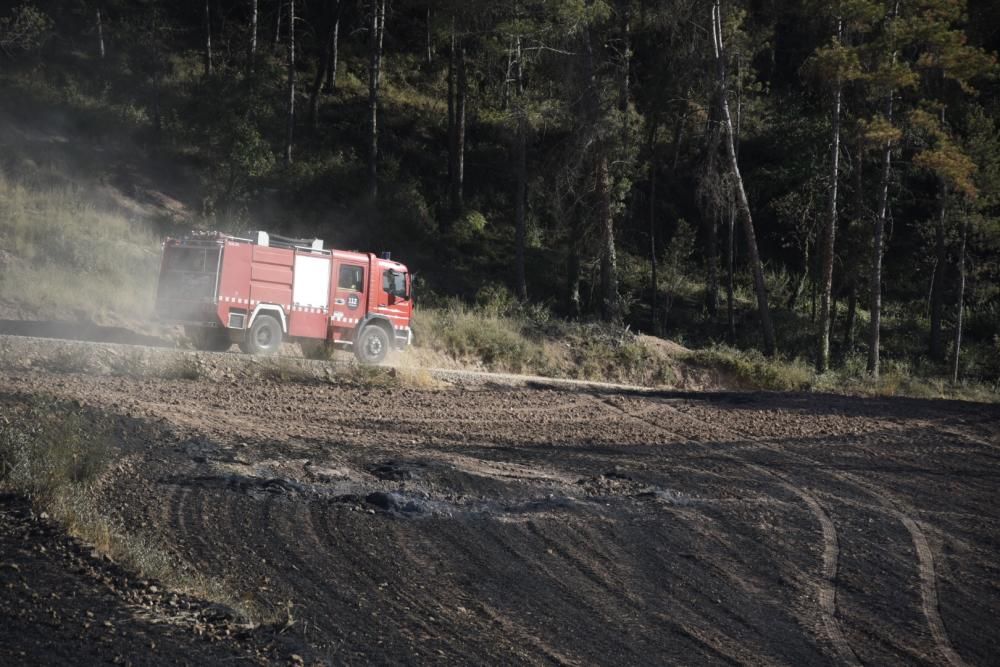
(351, 278)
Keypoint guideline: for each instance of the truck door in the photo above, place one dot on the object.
(349, 295)
(310, 295)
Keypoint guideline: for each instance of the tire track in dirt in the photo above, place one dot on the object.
(831, 548)
(925, 559)
(928, 592)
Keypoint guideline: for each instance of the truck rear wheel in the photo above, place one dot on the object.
(263, 337)
(372, 345)
(209, 339)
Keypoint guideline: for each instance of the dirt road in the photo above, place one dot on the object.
(491, 524)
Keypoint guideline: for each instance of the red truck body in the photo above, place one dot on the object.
(219, 286)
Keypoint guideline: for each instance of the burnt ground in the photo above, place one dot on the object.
(492, 524)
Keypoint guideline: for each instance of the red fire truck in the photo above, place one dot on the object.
(260, 291)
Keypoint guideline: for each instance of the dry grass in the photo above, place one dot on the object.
(56, 454)
(66, 255)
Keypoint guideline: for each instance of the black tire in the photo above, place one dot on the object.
(263, 337)
(372, 345)
(209, 339)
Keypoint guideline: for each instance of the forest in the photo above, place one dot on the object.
(816, 180)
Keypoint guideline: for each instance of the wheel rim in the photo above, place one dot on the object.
(373, 347)
(264, 336)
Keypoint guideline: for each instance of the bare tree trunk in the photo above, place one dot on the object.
(936, 343)
(458, 192)
(852, 314)
(277, 23)
(520, 207)
(654, 283)
(290, 135)
(760, 287)
(875, 305)
(457, 90)
(100, 34)
(959, 309)
(610, 306)
(322, 63)
(730, 271)
(374, 79)
(333, 55)
(876, 275)
(573, 270)
(712, 259)
(830, 231)
(430, 43)
(208, 39)
(452, 124)
(253, 30)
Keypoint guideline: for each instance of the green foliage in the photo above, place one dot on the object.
(25, 29)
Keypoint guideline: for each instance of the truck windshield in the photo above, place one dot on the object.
(394, 283)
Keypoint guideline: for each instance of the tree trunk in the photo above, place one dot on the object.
(452, 124)
(333, 55)
(457, 90)
(654, 283)
(520, 207)
(277, 24)
(322, 62)
(852, 313)
(959, 309)
(100, 34)
(458, 193)
(730, 271)
(208, 39)
(936, 343)
(712, 260)
(253, 30)
(521, 195)
(610, 306)
(830, 230)
(573, 271)
(760, 287)
(430, 44)
(374, 79)
(875, 305)
(290, 129)
(876, 270)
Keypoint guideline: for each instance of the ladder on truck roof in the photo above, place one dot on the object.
(275, 241)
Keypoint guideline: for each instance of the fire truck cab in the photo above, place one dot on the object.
(258, 292)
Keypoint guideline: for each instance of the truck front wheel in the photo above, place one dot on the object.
(264, 336)
(372, 345)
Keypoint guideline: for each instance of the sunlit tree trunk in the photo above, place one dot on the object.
(457, 90)
(100, 34)
(430, 43)
(290, 134)
(760, 287)
(322, 63)
(377, 8)
(959, 308)
(520, 208)
(333, 55)
(521, 175)
(830, 229)
(208, 39)
(878, 231)
(654, 282)
(936, 343)
(253, 30)
(277, 23)
(610, 306)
